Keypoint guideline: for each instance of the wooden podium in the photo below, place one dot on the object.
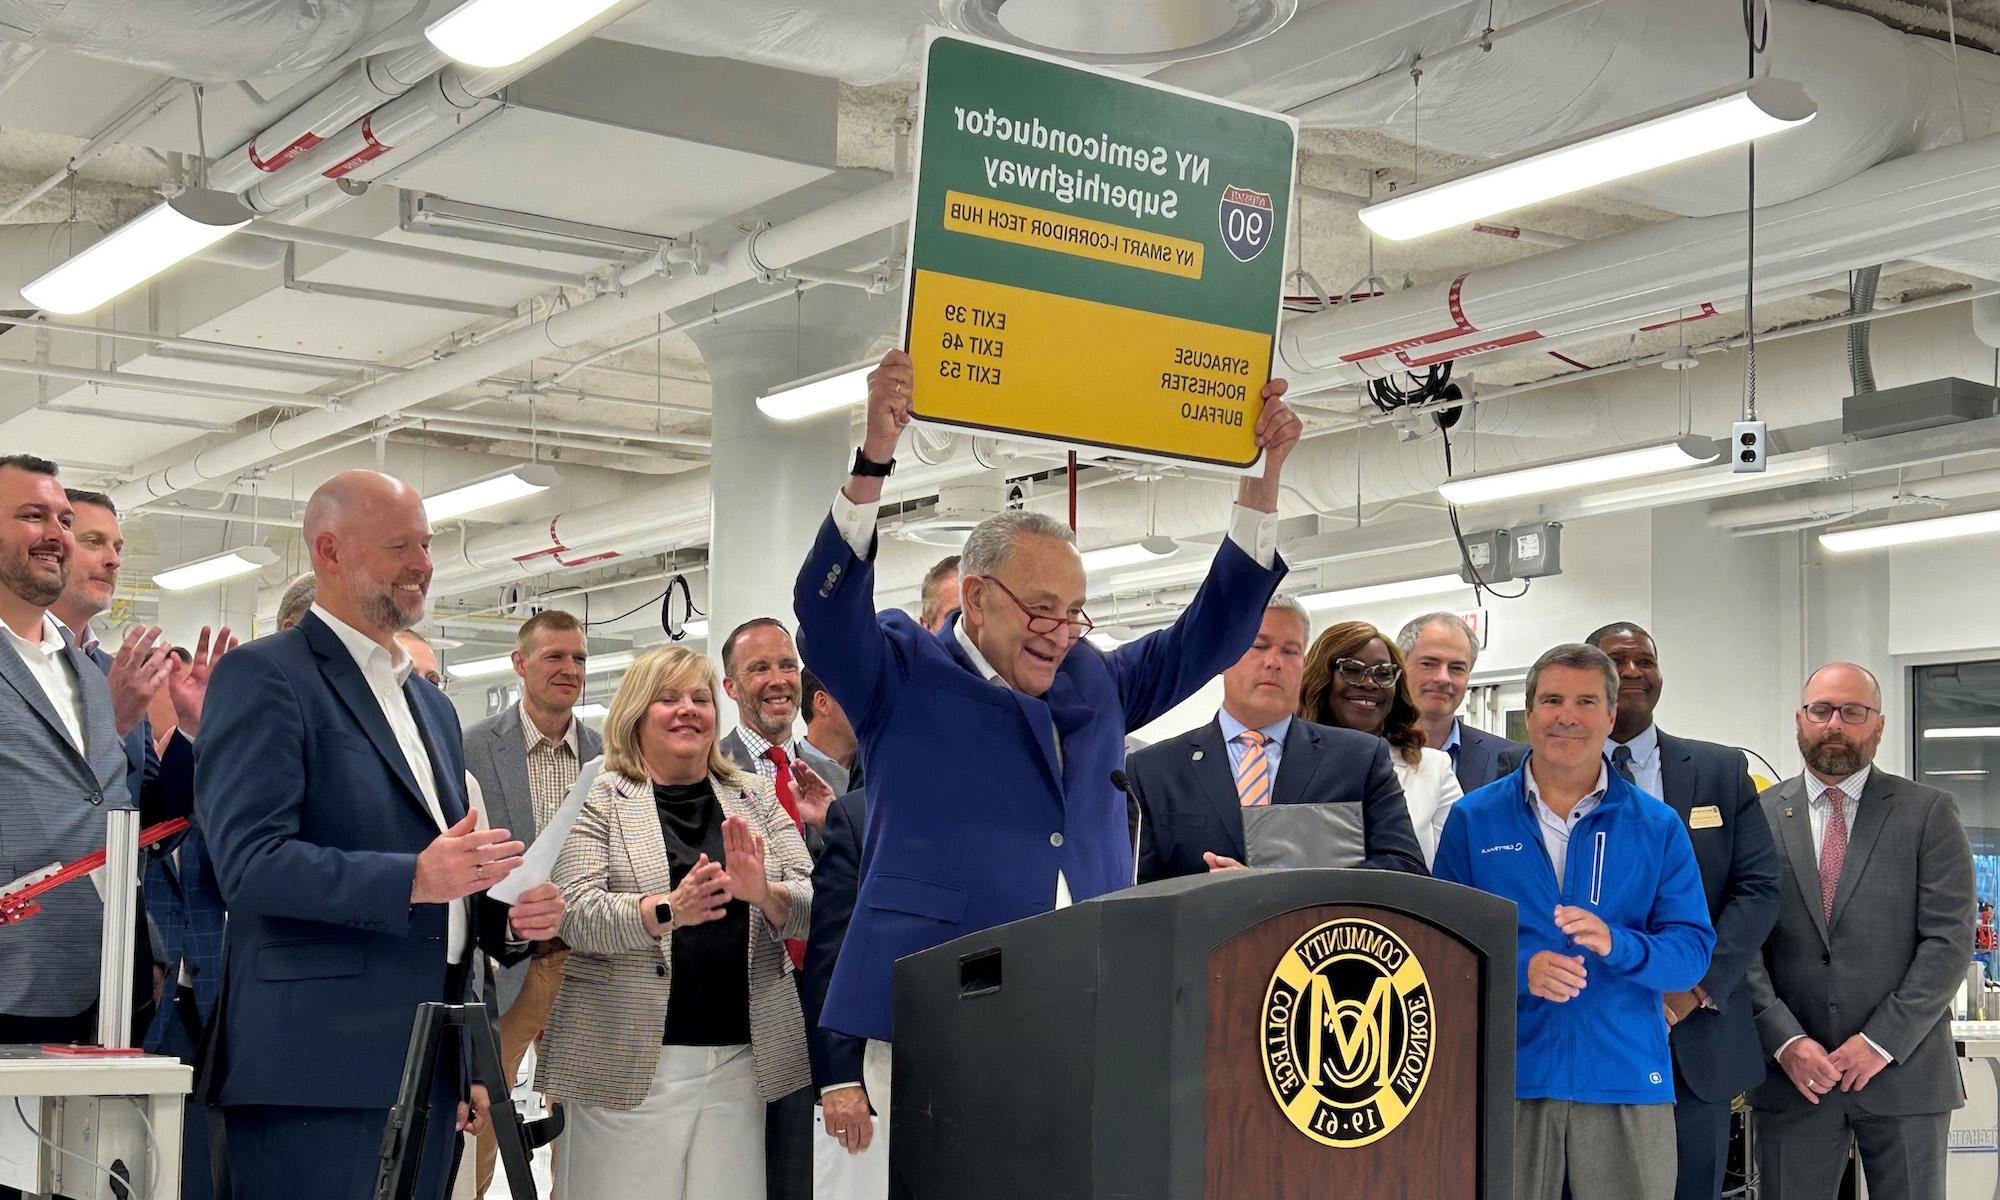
(1247, 1035)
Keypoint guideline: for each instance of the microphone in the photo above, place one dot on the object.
(1134, 815)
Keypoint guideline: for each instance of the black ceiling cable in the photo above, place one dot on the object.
(677, 630)
(1479, 584)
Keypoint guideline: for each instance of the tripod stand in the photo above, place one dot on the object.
(409, 1120)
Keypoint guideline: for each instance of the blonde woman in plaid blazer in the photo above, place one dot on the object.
(663, 1066)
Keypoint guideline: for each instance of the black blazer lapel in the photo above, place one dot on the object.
(344, 676)
(1876, 799)
(450, 784)
(1214, 781)
(1677, 775)
(1297, 763)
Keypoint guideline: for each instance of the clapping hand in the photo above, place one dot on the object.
(743, 859)
(813, 795)
(188, 685)
(136, 673)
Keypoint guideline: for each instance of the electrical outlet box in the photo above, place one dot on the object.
(1487, 557)
(1536, 551)
(1747, 446)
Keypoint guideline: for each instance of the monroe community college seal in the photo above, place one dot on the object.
(1348, 1032)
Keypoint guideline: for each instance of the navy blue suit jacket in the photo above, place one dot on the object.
(972, 810)
(1188, 793)
(1718, 1052)
(315, 821)
(836, 1057)
(1484, 757)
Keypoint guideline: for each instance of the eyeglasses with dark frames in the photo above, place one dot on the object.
(1850, 714)
(1080, 623)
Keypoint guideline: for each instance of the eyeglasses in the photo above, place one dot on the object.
(1850, 714)
(1354, 671)
(1080, 624)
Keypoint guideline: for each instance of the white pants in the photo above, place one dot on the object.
(698, 1134)
(838, 1175)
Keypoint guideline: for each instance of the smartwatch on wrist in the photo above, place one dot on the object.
(863, 465)
(663, 913)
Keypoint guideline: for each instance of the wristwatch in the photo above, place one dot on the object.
(663, 913)
(863, 465)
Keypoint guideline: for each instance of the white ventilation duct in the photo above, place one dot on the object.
(1900, 209)
(27, 251)
(181, 37)
(669, 516)
(1881, 93)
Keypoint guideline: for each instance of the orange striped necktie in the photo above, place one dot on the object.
(1253, 774)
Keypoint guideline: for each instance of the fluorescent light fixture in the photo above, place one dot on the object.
(1401, 589)
(215, 568)
(165, 234)
(499, 33)
(483, 668)
(695, 630)
(1515, 482)
(514, 484)
(1715, 120)
(1912, 533)
(1960, 774)
(842, 387)
(1129, 554)
(592, 712)
(1957, 733)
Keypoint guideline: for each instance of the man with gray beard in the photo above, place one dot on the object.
(331, 785)
(1853, 990)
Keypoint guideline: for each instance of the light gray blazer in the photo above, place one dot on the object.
(52, 803)
(602, 1044)
(496, 753)
(1893, 956)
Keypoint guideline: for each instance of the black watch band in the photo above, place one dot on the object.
(863, 465)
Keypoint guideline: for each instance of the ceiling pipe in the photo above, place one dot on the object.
(817, 232)
(1849, 502)
(1616, 284)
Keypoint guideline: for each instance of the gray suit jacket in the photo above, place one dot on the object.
(734, 749)
(1891, 959)
(496, 754)
(52, 802)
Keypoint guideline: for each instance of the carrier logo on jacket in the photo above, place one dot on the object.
(1348, 1032)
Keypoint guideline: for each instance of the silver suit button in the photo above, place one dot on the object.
(1055, 839)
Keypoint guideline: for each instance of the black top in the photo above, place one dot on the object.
(709, 1004)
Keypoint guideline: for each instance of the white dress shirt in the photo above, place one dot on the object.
(385, 671)
(1555, 829)
(1819, 808)
(51, 668)
(1645, 750)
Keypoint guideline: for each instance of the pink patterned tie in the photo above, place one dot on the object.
(1833, 850)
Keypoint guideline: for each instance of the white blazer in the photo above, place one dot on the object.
(1430, 787)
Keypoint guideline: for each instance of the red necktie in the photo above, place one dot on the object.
(1833, 850)
(787, 801)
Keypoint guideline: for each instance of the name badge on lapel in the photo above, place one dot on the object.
(1705, 816)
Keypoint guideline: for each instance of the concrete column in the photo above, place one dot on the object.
(772, 481)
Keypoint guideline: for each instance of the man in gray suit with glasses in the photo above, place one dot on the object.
(1853, 991)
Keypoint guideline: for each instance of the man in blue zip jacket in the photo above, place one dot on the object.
(1612, 917)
